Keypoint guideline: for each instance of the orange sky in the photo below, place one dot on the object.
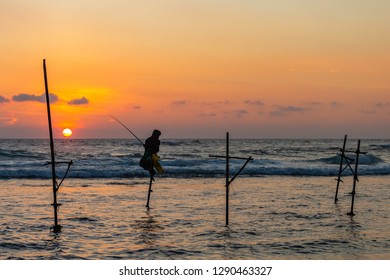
(197, 68)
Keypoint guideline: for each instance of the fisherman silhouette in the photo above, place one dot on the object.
(150, 158)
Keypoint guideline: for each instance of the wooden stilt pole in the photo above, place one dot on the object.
(340, 169)
(227, 157)
(56, 227)
(355, 179)
(227, 178)
(149, 191)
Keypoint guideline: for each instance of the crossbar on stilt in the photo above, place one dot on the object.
(227, 175)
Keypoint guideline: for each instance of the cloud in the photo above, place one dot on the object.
(180, 102)
(132, 106)
(313, 103)
(335, 104)
(368, 112)
(238, 113)
(294, 109)
(22, 97)
(3, 99)
(214, 105)
(254, 102)
(301, 70)
(207, 115)
(281, 110)
(79, 101)
(382, 104)
(7, 121)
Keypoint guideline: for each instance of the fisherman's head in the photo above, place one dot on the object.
(156, 133)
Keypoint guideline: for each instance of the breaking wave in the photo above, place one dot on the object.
(364, 159)
(118, 158)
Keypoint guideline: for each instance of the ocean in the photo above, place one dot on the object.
(25, 159)
(281, 205)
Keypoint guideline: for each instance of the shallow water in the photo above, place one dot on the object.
(278, 217)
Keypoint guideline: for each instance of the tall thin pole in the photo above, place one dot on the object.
(227, 178)
(227, 157)
(53, 168)
(355, 178)
(340, 169)
(149, 191)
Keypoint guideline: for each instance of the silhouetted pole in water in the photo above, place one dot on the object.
(56, 186)
(227, 178)
(348, 161)
(355, 178)
(56, 227)
(149, 191)
(354, 172)
(229, 181)
(342, 155)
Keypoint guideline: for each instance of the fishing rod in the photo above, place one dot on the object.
(127, 129)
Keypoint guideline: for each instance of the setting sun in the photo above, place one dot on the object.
(67, 132)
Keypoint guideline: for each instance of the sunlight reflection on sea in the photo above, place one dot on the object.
(270, 218)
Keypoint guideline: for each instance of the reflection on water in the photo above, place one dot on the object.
(354, 229)
(148, 228)
(54, 245)
(270, 218)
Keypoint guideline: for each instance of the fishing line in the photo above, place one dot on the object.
(127, 129)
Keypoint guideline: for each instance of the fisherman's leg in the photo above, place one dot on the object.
(152, 172)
